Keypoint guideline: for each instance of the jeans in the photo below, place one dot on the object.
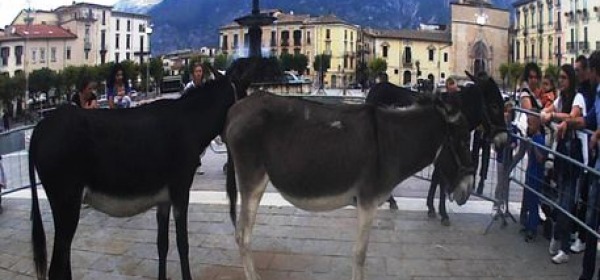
(567, 188)
(591, 219)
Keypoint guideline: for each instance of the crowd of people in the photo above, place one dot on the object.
(570, 103)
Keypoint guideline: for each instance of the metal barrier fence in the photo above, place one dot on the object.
(552, 201)
(14, 163)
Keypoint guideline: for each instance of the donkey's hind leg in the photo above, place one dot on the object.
(251, 190)
(366, 213)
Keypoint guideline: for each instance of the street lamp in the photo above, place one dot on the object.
(149, 33)
(28, 20)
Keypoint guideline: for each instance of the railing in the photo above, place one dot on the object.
(14, 170)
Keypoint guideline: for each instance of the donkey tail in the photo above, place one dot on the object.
(231, 189)
(37, 234)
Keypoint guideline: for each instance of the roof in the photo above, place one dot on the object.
(126, 14)
(519, 3)
(38, 31)
(83, 4)
(418, 35)
(329, 18)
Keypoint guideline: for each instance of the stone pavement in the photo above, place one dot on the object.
(289, 244)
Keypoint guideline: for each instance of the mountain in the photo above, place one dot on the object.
(136, 6)
(180, 24)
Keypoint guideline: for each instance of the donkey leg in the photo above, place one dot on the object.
(251, 194)
(393, 204)
(366, 212)
(442, 206)
(65, 206)
(180, 197)
(162, 241)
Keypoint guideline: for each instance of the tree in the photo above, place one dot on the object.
(299, 63)
(286, 61)
(221, 62)
(131, 70)
(42, 80)
(504, 69)
(516, 70)
(553, 70)
(376, 66)
(321, 64)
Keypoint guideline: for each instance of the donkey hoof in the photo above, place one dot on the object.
(431, 214)
(393, 206)
(446, 222)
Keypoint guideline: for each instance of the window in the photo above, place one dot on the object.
(141, 28)
(4, 52)
(103, 40)
(19, 54)
(116, 57)
(285, 37)
(273, 38)
(550, 15)
(297, 38)
(532, 51)
(224, 43)
(42, 55)
(128, 25)
(345, 62)
(308, 37)
(407, 55)
(235, 41)
(118, 24)
(541, 46)
(128, 41)
(117, 41)
(33, 55)
(445, 57)
(345, 35)
(53, 54)
(296, 51)
(385, 51)
(103, 17)
(328, 34)
(443, 75)
(142, 43)
(351, 36)
(431, 51)
(549, 48)
(128, 56)
(87, 55)
(518, 51)
(68, 53)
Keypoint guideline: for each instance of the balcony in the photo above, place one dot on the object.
(407, 63)
(540, 28)
(584, 46)
(297, 43)
(525, 32)
(571, 47)
(87, 45)
(285, 43)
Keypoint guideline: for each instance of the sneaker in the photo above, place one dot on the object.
(554, 247)
(577, 246)
(560, 258)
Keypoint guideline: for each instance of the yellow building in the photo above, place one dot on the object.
(301, 34)
(538, 32)
(411, 54)
(581, 18)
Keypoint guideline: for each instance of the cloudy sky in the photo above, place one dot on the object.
(10, 8)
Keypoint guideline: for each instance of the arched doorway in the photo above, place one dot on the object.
(407, 78)
(480, 54)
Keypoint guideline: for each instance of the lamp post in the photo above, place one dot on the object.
(149, 33)
(28, 21)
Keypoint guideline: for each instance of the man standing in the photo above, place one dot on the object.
(591, 121)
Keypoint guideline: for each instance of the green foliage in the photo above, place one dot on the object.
(299, 63)
(377, 65)
(286, 61)
(553, 70)
(322, 62)
(221, 62)
(42, 80)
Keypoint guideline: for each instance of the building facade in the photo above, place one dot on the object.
(411, 54)
(538, 35)
(480, 36)
(581, 18)
(433, 52)
(302, 34)
(97, 35)
(28, 48)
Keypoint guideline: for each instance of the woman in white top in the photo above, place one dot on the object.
(568, 105)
